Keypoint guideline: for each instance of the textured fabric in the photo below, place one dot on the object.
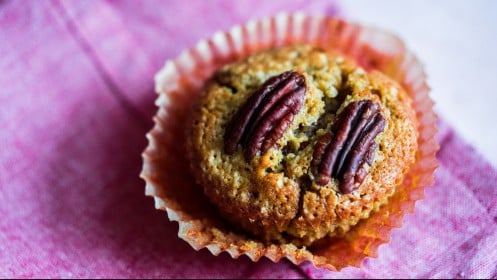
(76, 100)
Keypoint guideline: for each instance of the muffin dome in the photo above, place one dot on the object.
(275, 138)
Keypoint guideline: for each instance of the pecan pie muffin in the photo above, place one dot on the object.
(297, 144)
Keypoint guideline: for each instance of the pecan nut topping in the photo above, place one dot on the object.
(344, 152)
(266, 115)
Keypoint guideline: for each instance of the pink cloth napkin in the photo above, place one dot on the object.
(76, 101)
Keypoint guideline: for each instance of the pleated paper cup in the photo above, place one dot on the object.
(179, 83)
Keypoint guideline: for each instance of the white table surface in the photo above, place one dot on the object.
(457, 42)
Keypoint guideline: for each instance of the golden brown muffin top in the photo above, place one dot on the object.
(274, 194)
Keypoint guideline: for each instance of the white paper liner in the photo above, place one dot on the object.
(179, 83)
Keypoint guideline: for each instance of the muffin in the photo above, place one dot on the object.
(297, 144)
(277, 101)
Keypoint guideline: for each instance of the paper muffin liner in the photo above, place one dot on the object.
(179, 83)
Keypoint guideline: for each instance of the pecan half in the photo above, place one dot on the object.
(344, 152)
(266, 115)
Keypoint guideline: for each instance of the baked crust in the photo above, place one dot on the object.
(273, 196)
